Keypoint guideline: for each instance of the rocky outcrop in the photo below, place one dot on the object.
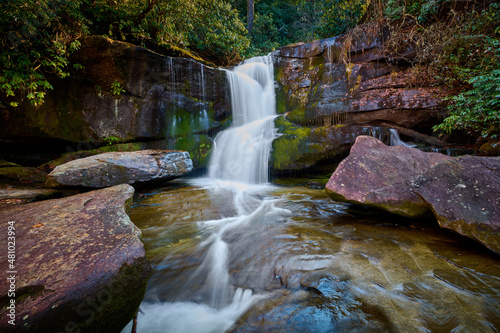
(154, 97)
(380, 176)
(109, 169)
(347, 81)
(464, 195)
(12, 172)
(298, 147)
(80, 264)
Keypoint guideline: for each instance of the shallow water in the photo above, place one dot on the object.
(232, 257)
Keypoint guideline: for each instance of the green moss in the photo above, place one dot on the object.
(290, 146)
(198, 146)
(316, 62)
(297, 116)
(180, 122)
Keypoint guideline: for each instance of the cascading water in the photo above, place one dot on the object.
(220, 244)
(242, 152)
(396, 140)
(238, 174)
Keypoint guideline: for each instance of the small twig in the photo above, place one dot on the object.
(134, 324)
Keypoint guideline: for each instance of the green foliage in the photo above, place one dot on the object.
(116, 88)
(476, 111)
(282, 22)
(422, 10)
(338, 16)
(36, 42)
(218, 32)
(470, 61)
(458, 45)
(111, 140)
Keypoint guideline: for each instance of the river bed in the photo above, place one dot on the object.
(240, 258)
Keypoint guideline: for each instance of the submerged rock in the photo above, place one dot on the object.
(464, 194)
(80, 263)
(380, 176)
(115, 168)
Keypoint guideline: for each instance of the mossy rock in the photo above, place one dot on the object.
(23, 174)
(291, 146)
(199, 148)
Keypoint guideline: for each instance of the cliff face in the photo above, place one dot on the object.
(343, 85)
(162, 97)
(329, 92)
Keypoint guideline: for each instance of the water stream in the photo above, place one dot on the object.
(234, 253)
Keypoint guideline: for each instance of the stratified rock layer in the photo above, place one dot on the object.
(115, 168)
(464, 194)
(338, 84)
(380, 176)
(80, 265)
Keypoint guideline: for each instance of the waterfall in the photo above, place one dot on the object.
(396, 140)
(238, 177)
(389, 136)
(241, 152)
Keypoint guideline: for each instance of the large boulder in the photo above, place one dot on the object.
(380, 176)
(79, 265)
(464, 194)
(109, 169)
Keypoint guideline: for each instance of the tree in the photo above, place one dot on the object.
(36, 42)
(250, 15)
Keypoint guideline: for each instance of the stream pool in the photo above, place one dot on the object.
(241, 258)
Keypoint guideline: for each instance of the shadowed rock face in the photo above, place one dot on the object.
(115, 168)
(162, 97)
(380, 176)
(80, 263)
(464, 194)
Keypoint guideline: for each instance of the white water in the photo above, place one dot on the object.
(390, 139)
(396, 140)
(238, 173)
(242, 152)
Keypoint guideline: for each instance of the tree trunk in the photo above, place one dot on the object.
(250, 15)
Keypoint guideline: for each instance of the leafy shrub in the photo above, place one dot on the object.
(476, 111)
(36, 42)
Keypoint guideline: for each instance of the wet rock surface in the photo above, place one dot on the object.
(381, 176)
(298, 148)
(80, 263)
(109, 169)
(464, 195)
(13, 195)
(162, 96)
(347, 81)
